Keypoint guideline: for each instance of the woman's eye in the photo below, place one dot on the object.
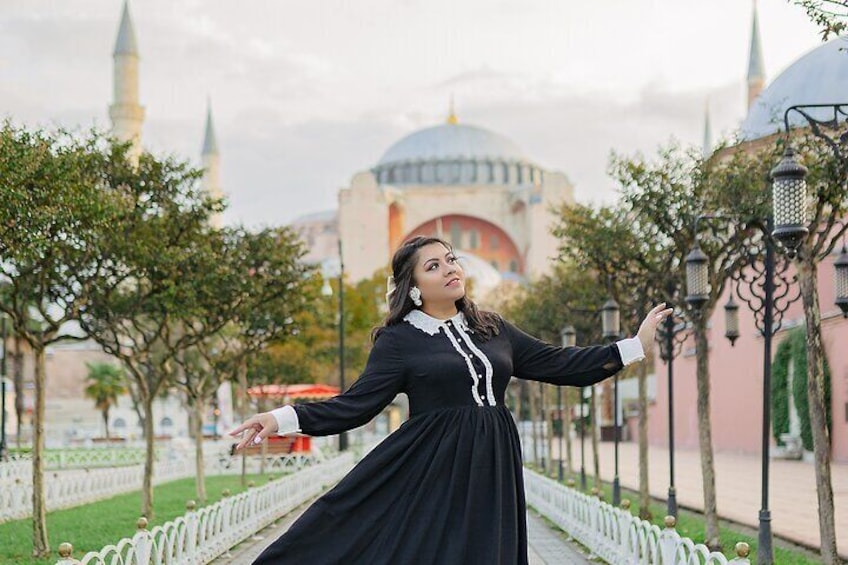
(451, 259)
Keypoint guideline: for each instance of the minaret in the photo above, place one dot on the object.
(708, 133)
(756, 68)
(126, 113)
(211, 182)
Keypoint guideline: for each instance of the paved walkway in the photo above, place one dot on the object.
(792, 488)
(548, 546)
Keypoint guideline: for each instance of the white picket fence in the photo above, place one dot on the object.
(64, 489)
(613, 534)
(10, 471)
(200, 536)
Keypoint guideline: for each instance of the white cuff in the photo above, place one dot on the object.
(630, 350)
(287, 422)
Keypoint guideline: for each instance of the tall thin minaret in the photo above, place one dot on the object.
(126, 113)
(756, 67)
(707, 149)
(211, 164)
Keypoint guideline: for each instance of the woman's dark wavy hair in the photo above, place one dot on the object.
(485, 324)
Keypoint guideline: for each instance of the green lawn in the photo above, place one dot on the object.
(95, 525)
(691, 525)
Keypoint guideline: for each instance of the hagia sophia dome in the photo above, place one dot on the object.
(819, 77)
(454, 153)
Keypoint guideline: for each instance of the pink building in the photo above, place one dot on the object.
(736, 379)
(736, 373)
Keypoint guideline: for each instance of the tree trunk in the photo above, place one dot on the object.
(200, 477)
(105, 414)
(147, 482)
(816, 401)
(18, 376)
(593, 431)
(40, 543)
(711, 533)
(644, 493)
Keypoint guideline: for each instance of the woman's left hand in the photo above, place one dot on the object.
(649, 325)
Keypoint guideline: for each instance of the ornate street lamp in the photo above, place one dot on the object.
(671, 335)
(697, 277)
(841, 276)
(789, 201)
(759, 276)
(569, 339)
(611, 320)
(731, 320)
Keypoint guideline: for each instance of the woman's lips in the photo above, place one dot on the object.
(453, 282)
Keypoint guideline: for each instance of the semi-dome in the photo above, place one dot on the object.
(454, 153)
(819, 77)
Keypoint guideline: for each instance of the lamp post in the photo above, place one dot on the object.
(327, 290)
(671, 336)
(342, 435)
(569, 339)
(611, 323)
(761, 277)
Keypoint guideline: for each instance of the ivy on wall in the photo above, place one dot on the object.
(793, 350)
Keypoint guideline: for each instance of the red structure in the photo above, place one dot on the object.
(290, 394)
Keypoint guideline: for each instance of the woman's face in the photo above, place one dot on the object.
(438, 275)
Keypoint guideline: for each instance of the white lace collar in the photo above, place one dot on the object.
(430, 325)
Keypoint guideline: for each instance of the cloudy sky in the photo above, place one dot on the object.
(307, 93)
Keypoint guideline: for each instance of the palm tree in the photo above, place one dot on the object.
(106, 384)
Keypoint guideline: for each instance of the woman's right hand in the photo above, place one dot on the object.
(255, 429)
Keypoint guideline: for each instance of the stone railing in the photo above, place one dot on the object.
(200, 536)
(614, 534)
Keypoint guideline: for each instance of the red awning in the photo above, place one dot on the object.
(291, 393)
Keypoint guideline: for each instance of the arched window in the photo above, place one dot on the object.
(119, 423)
(166, 422)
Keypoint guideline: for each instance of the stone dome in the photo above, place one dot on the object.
(454, 153)
(819, 77)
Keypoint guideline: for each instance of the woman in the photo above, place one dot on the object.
(447, 486)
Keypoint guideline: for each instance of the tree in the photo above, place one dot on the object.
(106, 384)
(166, 270)
(830, 15)
(665, 197)
(610, 241)
(567, 296)
(269, 285)
(53, 213)
(828, 187)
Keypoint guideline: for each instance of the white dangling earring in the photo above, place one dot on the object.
(415, 295)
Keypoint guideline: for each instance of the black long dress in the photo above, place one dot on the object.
(446, 487)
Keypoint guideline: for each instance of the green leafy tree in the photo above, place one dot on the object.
(53, 214)
(268, 283)
(167, 272)
(611, 241)
(106, 383)
(666, 196)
